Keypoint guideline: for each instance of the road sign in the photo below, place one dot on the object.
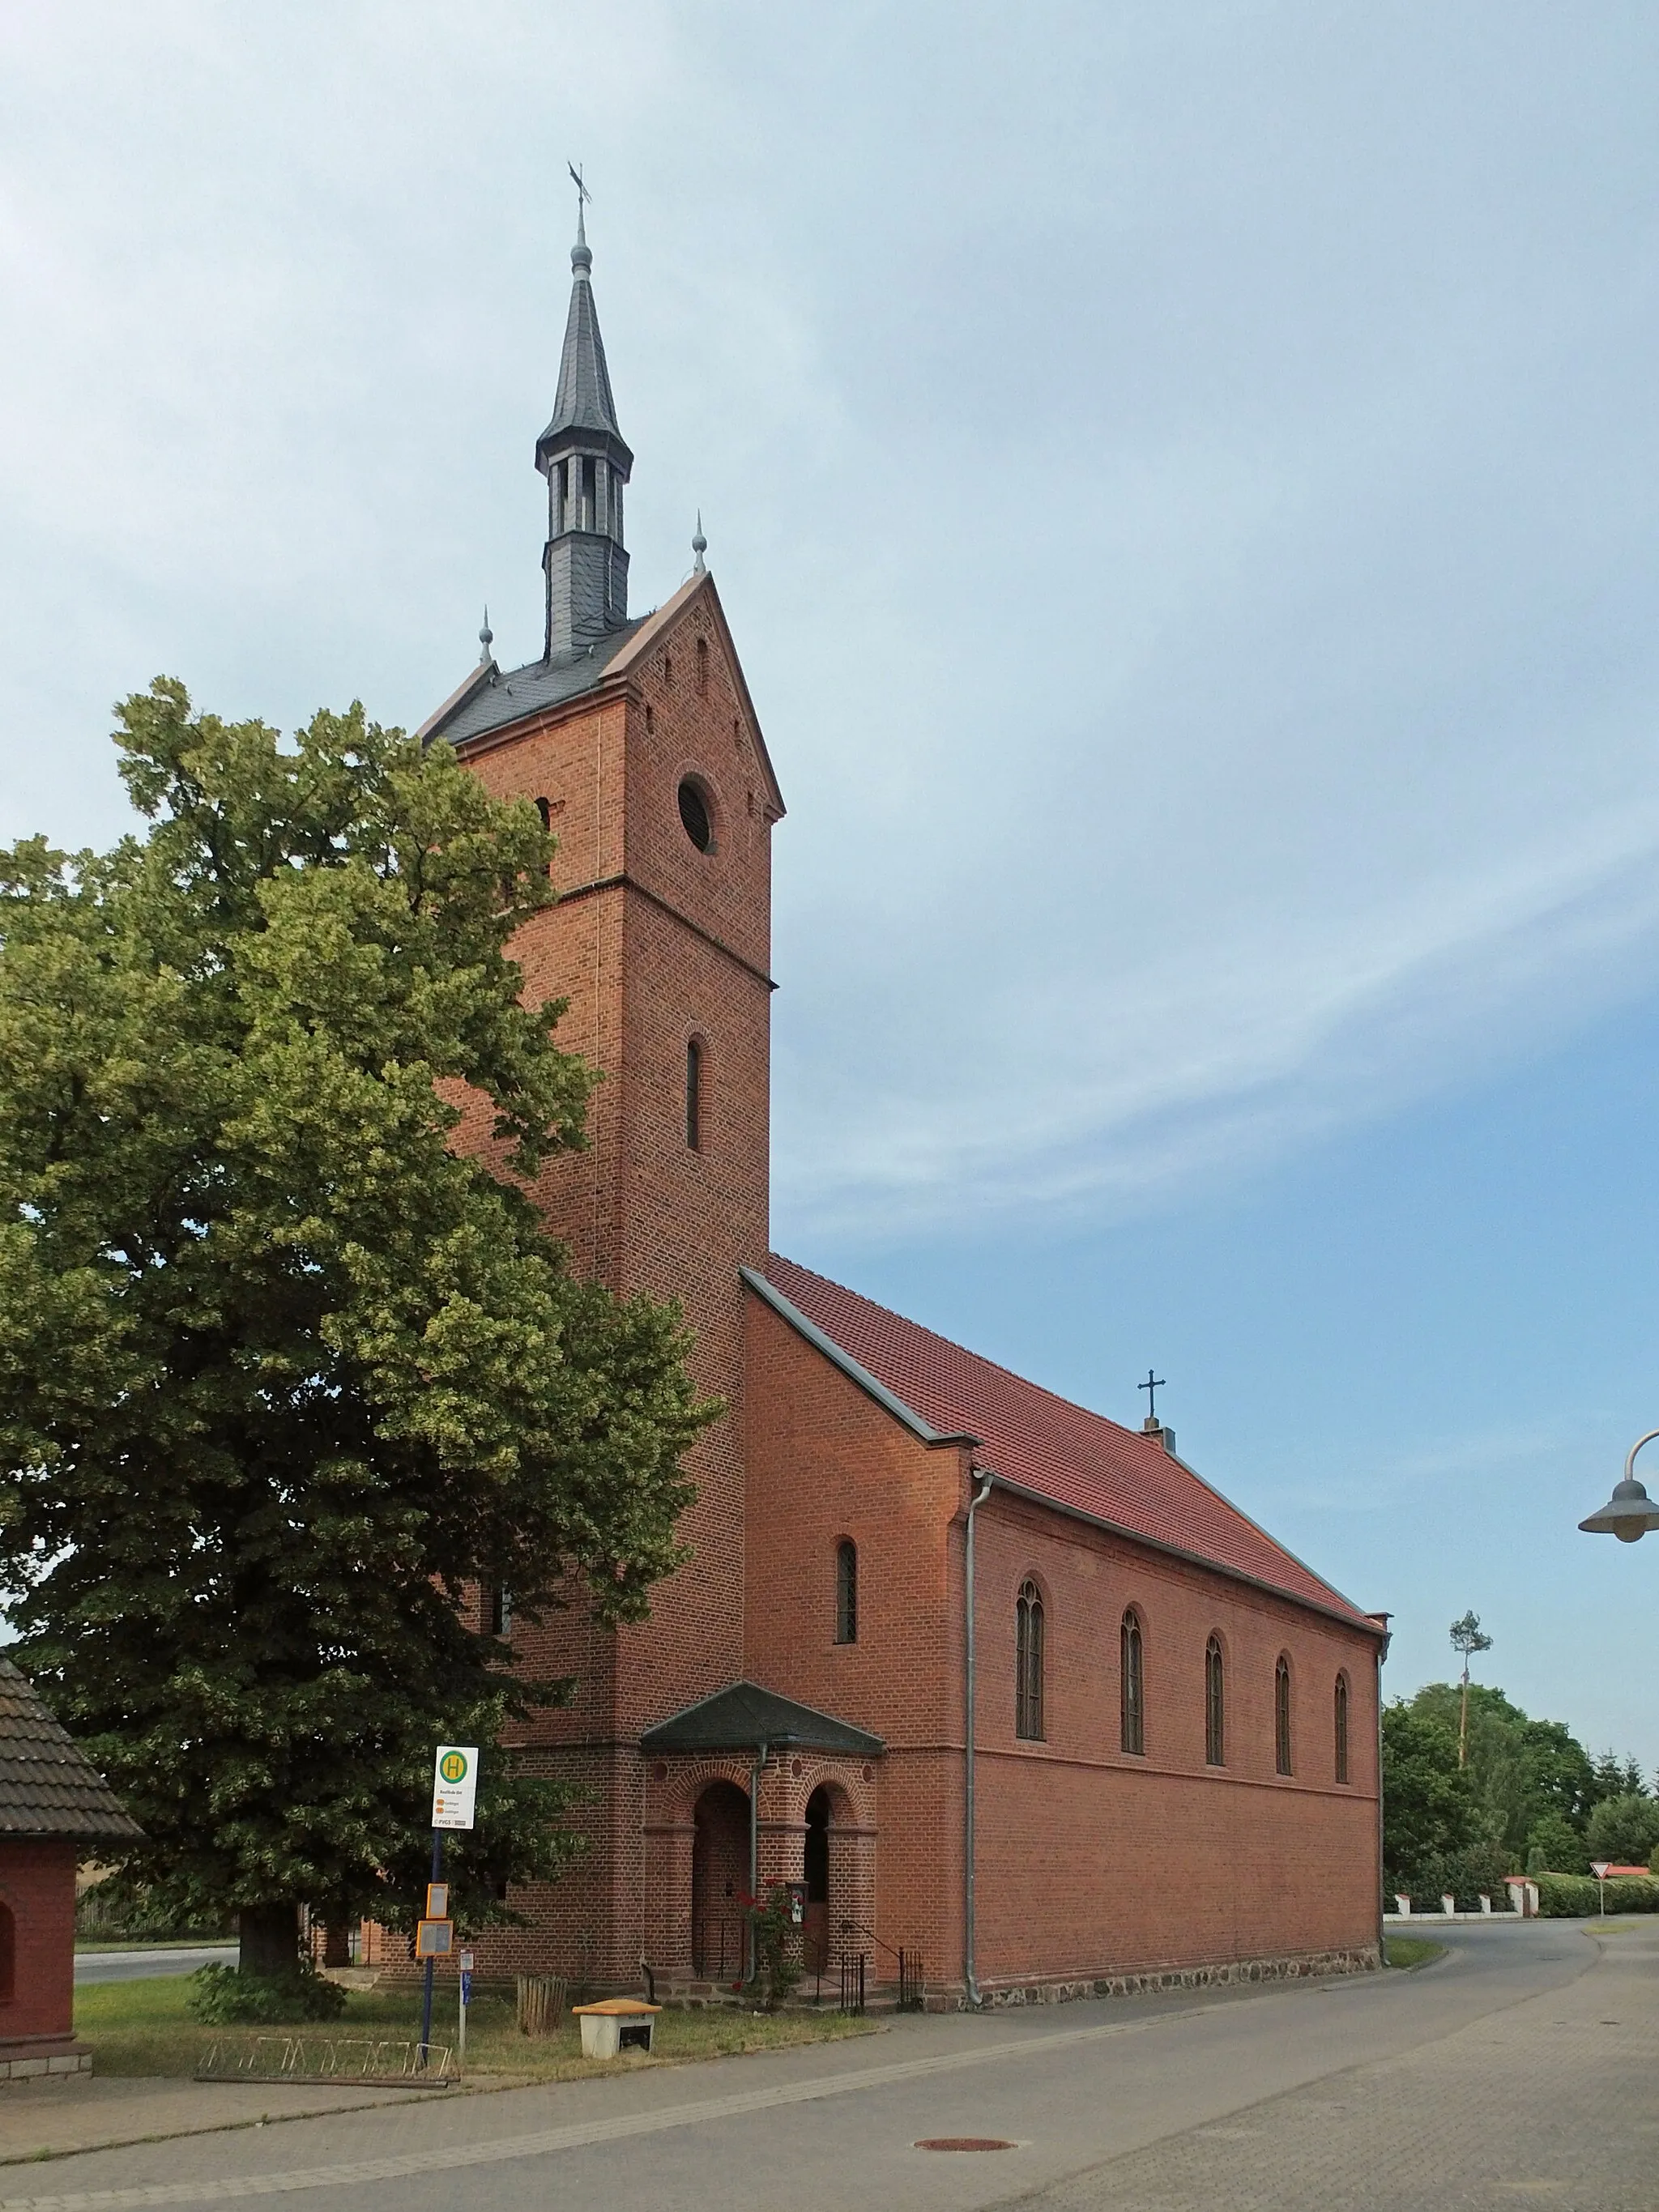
(434, 1939)
(455, 1786)
(437, 1900)
(1599, 1869)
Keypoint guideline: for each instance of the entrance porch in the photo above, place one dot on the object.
(743, 1792)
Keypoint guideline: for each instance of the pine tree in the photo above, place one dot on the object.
(281, 1370)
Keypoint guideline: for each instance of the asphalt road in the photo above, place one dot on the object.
(139, 1965)
(1521, 2069)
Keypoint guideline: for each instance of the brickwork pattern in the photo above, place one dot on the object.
(37, 1888)
(653, 942)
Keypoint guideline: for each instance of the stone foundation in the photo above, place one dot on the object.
(1313, 1965)
(52, 2060)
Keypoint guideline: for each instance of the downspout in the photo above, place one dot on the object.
(754, 1859)
(969, 1960)
(1381, 1898)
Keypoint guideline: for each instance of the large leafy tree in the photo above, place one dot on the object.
(1429, 1805)
(1530, 1777)
(282, 1367)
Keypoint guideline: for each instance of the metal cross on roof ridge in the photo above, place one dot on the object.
(1151, 1386)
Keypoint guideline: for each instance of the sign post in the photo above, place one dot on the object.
(466, 1999)
(455, 1795)
(1599, 1869)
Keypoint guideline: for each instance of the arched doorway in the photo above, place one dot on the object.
(719, 1881)
(815, 1932)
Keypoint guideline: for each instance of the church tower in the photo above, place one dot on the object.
(638, 740)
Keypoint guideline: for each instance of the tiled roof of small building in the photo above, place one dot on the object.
(1075, 1459)
(48, 1787)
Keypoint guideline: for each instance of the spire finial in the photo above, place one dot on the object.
(581, 259)
(486, 640)
(700, 546)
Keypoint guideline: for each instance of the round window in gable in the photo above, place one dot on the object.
(694, 813)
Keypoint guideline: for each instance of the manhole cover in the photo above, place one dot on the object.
(964, 2142)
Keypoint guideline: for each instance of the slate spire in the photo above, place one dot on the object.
(587, 462)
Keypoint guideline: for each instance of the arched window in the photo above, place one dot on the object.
(1282, 1715)
(1027, 1663)
(1215, 1705)
(7, 1955)
(702, 664)
(1341, 1717)
(1132, 1701)
(846, 1591)
(694, 1095)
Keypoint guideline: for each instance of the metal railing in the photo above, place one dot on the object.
(720, 1948)
(912, 1992)
(852, 1966)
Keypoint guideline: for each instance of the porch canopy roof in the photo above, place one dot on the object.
(742, 1716)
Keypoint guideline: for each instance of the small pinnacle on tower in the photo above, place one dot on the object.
(486, 640)
(698, 547)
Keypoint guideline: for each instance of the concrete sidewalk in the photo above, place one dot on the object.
(51, 2119)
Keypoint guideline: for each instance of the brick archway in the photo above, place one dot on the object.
(719, 1883)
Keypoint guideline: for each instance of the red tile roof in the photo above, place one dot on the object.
(1046, 1444)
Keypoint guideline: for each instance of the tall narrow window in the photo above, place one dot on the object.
(1341, 1718)
(1282, 1715)
(544, 808)
(702, 664)
(694, 1095)
(1131, 1705)
(7, 1955)
(846, 1591)
(1215, 1705)
(496, 1607)
(1027, 1663)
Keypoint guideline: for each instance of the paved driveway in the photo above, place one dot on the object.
(139, 1965)
(1523, 2069)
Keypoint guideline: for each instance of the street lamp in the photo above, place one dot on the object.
(1629, 1512)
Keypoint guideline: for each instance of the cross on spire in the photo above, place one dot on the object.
(1151, 1386)
(583, 195)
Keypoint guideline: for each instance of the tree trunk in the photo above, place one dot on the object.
(269, 1939)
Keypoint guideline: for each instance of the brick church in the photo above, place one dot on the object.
(1001, 1682)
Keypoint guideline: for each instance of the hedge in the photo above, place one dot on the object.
(1577, 1896)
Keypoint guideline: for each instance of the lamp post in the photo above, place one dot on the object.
(1629, 1512)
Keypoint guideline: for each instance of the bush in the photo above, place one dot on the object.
(1467, 1875)
(224, 1996)
(1625, 1830)
(1555, 1846)
(1576, 1897)
(777, 1957)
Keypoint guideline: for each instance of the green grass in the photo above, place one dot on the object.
(151, 1942)
(1411, 1951)
(141, 2027)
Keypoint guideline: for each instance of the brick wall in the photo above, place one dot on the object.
(1090, 1859)
(37, 1887)
(653, 942)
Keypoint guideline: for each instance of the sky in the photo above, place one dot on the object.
(1182, 480)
